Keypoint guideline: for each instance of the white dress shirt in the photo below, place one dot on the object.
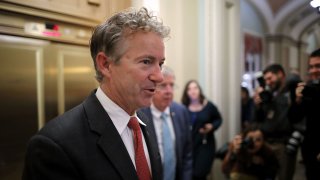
(120, 119)
(157, 121)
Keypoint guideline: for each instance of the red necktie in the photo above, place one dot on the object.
(142, 167)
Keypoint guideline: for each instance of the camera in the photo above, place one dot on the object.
(294, 142)
(247, 143)
(311, 90)
(266, 95)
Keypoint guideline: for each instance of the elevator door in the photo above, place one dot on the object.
(39, 80)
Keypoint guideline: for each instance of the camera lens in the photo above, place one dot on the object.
(294, 142)
(265, 96)
(247, 144)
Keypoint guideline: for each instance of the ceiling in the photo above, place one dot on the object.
(276, 5)
(293, 18)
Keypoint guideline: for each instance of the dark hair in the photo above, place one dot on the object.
(185, 98)
(251, 128)
(274, 68)
(315, 53)
(245, 90)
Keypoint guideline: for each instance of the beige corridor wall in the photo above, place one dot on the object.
(182, 47)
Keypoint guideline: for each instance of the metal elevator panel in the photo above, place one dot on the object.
(20, 68)
(45, 69)
(39, 80)
(78, 75)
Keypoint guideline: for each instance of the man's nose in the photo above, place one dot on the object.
(268, 82)
(156, 75)
(312, 69)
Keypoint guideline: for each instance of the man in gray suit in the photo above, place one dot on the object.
(104, 137)
(170, 123)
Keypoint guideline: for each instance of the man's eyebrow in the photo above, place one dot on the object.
(150, 57)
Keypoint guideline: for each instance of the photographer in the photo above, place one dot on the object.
(306, 106)
(249, 157)
(272, 103)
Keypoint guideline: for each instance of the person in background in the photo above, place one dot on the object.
(170, 123)
(249, 157)
(205, 119)
(104, 137)
(272, 103)
(247, 106)
(306, 108)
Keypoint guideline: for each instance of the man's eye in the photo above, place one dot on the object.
(146, 61)
(160, 64)
(317, 66)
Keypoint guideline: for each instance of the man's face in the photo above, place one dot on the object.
(314, 68)
(273, 80)
(257, 138)
(164, 93)
(132, 81)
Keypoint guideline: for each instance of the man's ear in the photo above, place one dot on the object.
(103, 63)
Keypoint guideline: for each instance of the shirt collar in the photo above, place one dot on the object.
(119, 117)
(157, 113)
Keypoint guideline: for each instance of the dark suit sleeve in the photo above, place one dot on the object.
(46, 160)
(187, 155)
(296, 112)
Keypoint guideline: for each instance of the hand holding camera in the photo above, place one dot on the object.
(307, 90)
(236, 144)
(256, 98)
(263, 92)
(299, 90)
(239, 144)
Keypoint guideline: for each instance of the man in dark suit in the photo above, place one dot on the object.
(104, 137)
(305, 107)
(171, 121)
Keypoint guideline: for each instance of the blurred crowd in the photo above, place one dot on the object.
(276, 122)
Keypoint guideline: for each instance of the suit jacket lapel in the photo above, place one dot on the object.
(150, 138)
(177, 132)
(175, 122)
(147, 112)
(174, 119)
(110, 141)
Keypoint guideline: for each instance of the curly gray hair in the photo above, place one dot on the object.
(107, 37)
